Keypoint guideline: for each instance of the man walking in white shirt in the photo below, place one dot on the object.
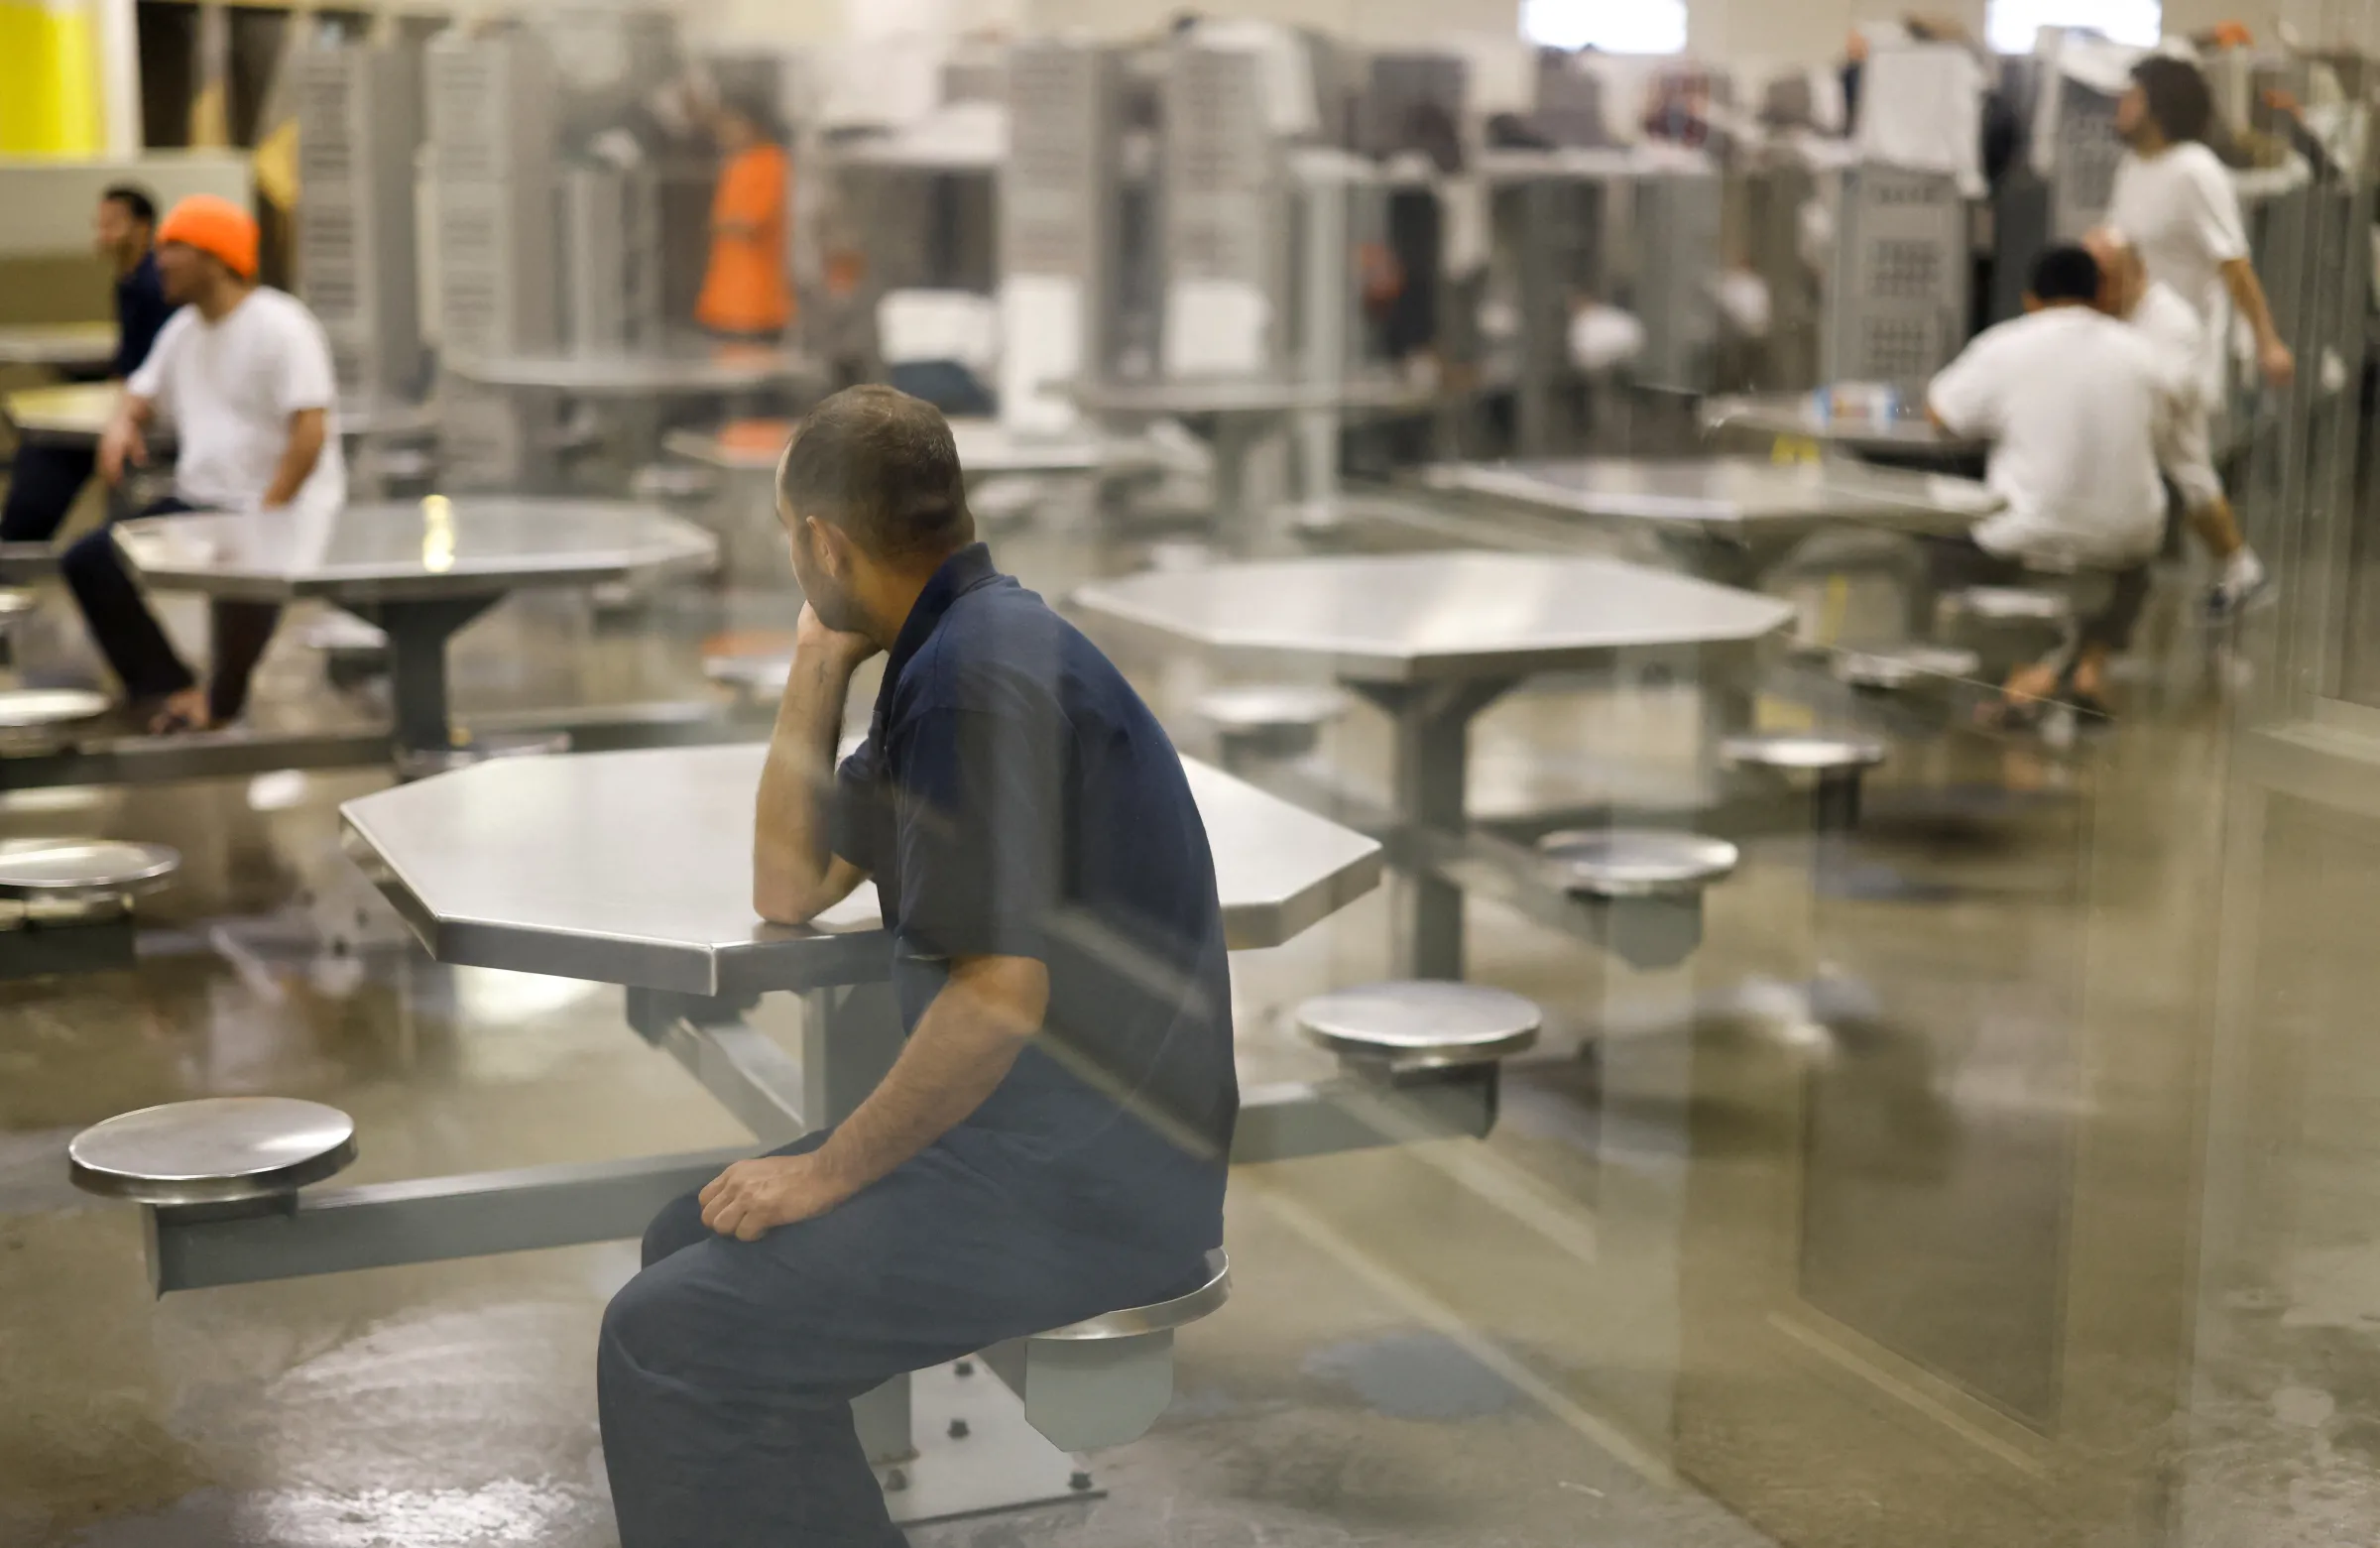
(244, 373)
(2176, 204)
(2075, 405)
(2172, 327)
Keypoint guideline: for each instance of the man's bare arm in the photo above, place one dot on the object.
(794, 875)
(125, 439)
(2247, 293)
(962, 1047)
(308, 429)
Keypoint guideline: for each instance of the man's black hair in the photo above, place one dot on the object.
(880, 465)
(2065, 274)
(134, 198)
(2178, 98)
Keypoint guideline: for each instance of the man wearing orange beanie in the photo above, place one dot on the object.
(244, 373)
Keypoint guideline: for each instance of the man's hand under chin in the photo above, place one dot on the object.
(753, 1198)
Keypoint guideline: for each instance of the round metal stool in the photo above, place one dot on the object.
(1840, 763)
(755, 676)
(1624, 863)
(1261, 721)
(215, 1151)
(47, 709)
(424, 762)
(59, 880)
(1103, 1380)
(667, 483)
(1893, 668)
(1420, 1024)
(2012, 605)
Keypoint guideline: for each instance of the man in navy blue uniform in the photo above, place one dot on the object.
(42, 484)
(1051, 1143)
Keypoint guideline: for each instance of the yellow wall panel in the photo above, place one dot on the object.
(49, 80)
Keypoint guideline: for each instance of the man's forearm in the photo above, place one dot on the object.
(298, 460)
(964, 1046)
(791, 862)
(2247, 293)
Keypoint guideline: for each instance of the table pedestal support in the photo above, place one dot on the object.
(1430, 782)
(418, 632)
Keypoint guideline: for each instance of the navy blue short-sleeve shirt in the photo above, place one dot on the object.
(1015, 797)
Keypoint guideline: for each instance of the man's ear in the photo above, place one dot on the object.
(832, 546)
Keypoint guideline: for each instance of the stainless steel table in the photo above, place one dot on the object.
(88, 345)
(727, 368)
(77, 413)
(987, 449)
(635, 869)
(1730, 520)
(420, 570)
(1434, 638)
(1248, 411)
(1796, 417)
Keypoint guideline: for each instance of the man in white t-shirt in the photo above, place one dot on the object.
(244, 373)
(2173, 328)
(2075, 405)
(2176, 204)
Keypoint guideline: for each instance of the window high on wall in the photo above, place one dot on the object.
(2012, 24)
(1614, 26)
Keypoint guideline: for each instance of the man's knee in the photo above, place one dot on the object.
(646, 1319)
(678, 1227)
(89, 554)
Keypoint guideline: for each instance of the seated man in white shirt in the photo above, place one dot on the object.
(244, 373)
(2075, 405)
(2173, 327)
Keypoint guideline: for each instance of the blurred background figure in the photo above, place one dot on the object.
(747, 292)
(47, 478)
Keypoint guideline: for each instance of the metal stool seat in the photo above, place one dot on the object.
(2012, 605)
(668, 482)
(400, 464)
(1103, 1380)
(81, 875)
(1420, 1024)
(760, 675)
(38, 709)
(215, 1151)
(1260, 721)
(15, 604)
(338, 631)
(1636, 863)
(65, 905)
(422, 763)
(1894, 668)
(1839, 761)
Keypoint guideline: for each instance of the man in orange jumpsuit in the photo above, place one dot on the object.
(745, 294)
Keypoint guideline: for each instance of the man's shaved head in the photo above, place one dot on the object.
(2122, 273)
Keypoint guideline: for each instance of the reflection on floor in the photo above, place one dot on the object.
(1715, 1233)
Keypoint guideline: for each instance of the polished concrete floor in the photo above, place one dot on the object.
(1878, 1221)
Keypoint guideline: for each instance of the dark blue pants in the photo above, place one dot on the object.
(42, 485)
(726, 1368)
(136, 647)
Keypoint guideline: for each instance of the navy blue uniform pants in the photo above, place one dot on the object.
(136, 647)
(43, 482)
(726, 1368)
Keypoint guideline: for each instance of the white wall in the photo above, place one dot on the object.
(1364, 21)
(1801, 31)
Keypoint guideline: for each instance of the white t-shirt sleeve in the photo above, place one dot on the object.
(303, 378)
(150, 379)
(1967, 394)
(2212, 205)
